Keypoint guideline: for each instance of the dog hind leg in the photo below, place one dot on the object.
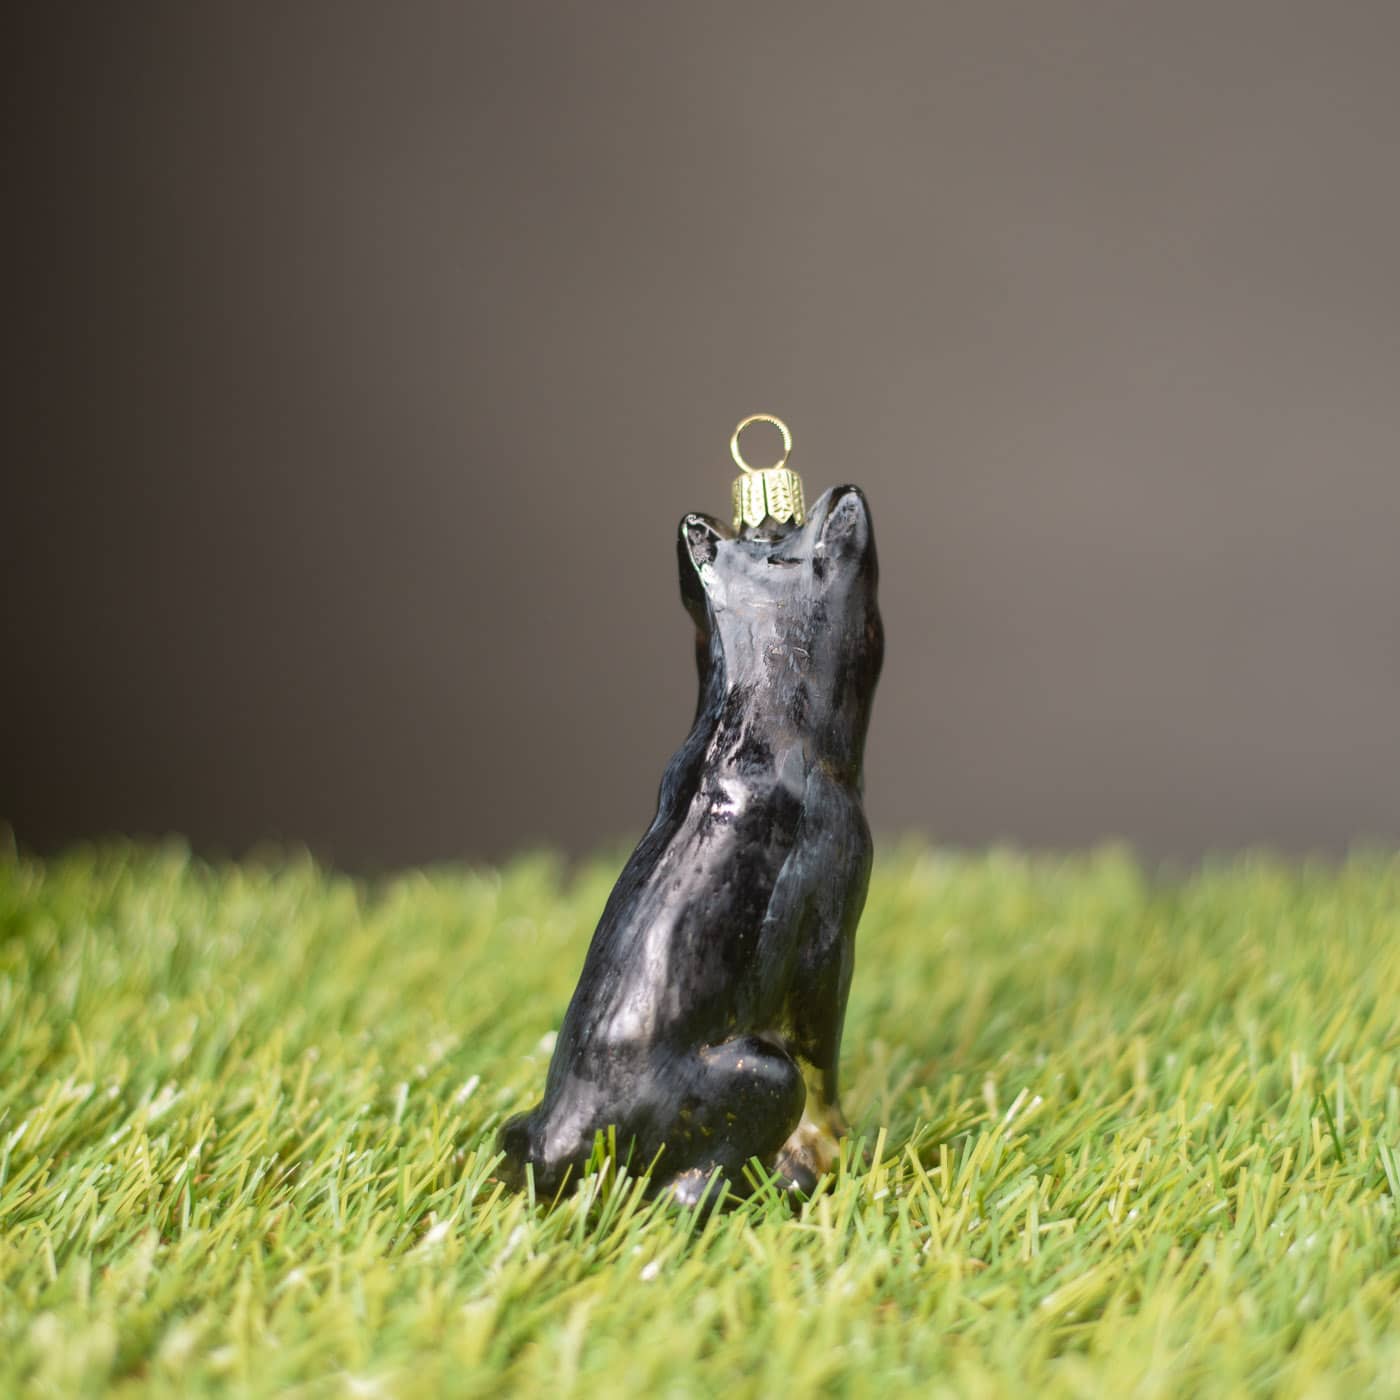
(742, 1099)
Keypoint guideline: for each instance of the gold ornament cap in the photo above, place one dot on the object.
(760, 492)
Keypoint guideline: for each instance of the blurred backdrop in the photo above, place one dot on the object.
(368, 355)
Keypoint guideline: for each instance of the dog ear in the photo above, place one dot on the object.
(697, 547)
(846, 532)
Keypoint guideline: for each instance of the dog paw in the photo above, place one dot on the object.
(697, 1188)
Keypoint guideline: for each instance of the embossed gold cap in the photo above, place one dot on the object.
(760, 492)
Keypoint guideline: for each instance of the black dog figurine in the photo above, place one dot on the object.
(706, 1025)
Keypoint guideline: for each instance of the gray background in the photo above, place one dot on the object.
(369, 354)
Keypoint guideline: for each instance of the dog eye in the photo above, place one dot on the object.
(783, 559)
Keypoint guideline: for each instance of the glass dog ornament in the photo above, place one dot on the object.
(706, 1025)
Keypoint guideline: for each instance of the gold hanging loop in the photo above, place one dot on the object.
(761, 492)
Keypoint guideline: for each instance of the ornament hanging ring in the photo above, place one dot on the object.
(761, 418)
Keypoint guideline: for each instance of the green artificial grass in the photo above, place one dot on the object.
(1124, 1137)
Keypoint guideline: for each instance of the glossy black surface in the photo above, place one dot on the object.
(706, 1025)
